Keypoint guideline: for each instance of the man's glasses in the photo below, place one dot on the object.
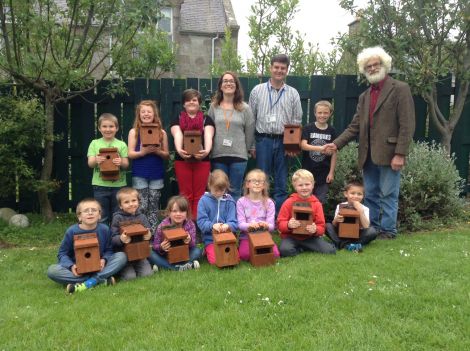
(373, 66)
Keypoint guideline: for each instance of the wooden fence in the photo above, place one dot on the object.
(75, 122)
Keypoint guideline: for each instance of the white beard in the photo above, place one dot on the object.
(376, 77)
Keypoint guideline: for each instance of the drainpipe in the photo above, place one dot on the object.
(213, 52)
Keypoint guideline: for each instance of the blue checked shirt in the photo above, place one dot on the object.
(284, 104)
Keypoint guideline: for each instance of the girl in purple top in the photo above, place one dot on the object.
(148, 168)
(255, 210)
(179, 215)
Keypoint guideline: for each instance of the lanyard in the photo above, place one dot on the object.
(271, 105)
(227, 120)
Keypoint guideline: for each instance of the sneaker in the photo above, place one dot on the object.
(196, 264)
(186, 266)
(354, 247)
(155, 268)
(111, 281)
(71, 288)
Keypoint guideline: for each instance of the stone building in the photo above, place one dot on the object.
(197, 27)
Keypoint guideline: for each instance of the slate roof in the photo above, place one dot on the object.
(206, 16)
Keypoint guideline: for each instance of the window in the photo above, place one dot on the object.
(165, 23)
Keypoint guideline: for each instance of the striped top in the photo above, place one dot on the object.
(284, 104)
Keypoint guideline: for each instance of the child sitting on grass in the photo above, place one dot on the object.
(293, 244)
(65, 272)
(129, 212)
(179, 215)
(354, 194)
(255, 210)
(216, 211)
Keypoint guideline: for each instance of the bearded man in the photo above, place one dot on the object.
(385, 123)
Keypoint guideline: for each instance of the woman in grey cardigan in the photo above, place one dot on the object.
(234, 131)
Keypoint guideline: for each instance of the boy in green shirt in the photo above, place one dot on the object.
(104, 191)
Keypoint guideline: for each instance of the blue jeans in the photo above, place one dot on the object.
(162, 262)
(63, 275)
(235, 172)
(271, 158)
(106, 196)
(143, 183)
(382, 187)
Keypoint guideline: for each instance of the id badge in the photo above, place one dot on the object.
(227, 142)
(271, 118)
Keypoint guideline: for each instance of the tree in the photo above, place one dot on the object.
(229, 60)
(271, 33)
(61, 49)
(427, 40)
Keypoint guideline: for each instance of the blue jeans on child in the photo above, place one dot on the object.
(382, 187)
(235, 172)
(106, 196)
(162, 262)
(271, 158)
(63, 275)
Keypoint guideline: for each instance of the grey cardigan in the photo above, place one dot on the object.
(241, 132)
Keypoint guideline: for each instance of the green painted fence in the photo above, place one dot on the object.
(75, 122)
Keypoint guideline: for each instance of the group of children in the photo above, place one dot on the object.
(216, 209)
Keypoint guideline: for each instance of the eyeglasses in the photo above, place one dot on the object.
(256, 181)
(228, 81)
(90, 210)
(374, 65)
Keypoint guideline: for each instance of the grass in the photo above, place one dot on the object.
(408, 294)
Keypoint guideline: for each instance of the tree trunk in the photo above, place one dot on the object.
(46, 171)
(446, 138)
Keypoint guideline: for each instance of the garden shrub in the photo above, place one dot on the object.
(430, 188)
(21, 124)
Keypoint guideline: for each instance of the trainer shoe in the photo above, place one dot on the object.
(185, 267)
(354, 247)
(155, 268)
(386, 236)
(87, 284)
(111, 281)
(196, 264)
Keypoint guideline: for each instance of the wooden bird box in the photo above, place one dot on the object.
(225, 247)
(302, 211)
(292, 137)
(87, 253)
(138, 248)
(192, 141)
(151, 134)
(108, 170)
(261, 249)
(179, 251)
(350, 227)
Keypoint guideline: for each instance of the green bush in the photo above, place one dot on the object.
(346, 171)
(429, 189)
(21, 124)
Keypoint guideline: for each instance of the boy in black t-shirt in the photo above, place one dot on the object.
(314, 137)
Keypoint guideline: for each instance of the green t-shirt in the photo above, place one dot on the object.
(94, 149)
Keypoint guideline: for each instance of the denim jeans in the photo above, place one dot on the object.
(162, 262)
(142, 183)
(63, 275)
(235, 172)
(106, 196)
(382, 187)
(270, 158)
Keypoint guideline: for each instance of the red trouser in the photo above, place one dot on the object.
(192, 181)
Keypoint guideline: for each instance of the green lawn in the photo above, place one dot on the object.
(412, 293)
